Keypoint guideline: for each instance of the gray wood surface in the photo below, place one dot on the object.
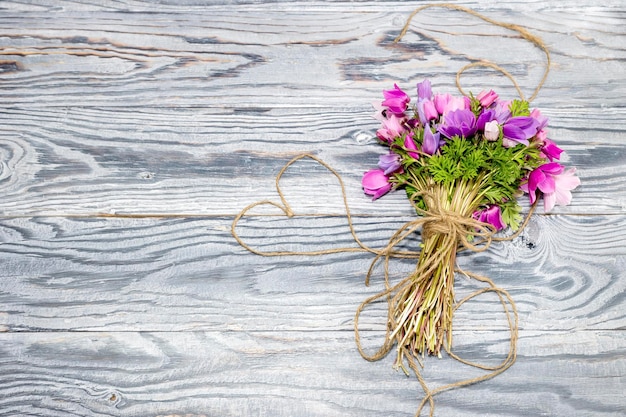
(132, 132)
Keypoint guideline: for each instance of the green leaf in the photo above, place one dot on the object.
(511, 214)
(475, 105)
(519, 108)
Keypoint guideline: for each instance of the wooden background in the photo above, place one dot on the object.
(132, 132)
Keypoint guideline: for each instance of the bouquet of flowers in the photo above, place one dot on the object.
(463, 162)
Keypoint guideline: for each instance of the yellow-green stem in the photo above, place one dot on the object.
(423, 312)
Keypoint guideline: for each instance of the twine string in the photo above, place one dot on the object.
(461, 232)
(458, 231)
(524, 33)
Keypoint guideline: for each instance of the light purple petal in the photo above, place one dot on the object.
(524, 124)
(424, 90)
(567, 180)
(431, 142)
(389, 163)
(513, 132)
(460, 122)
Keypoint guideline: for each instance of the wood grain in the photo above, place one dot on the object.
(332, 56)
(85, 274)
(132, 132)
(304, 373)
(214, 162)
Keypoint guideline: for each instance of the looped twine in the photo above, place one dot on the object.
(468, 232)
(458, 230)
(463, 232)
(523, 32)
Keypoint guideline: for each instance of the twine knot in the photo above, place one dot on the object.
(464, 230)
(457, 228)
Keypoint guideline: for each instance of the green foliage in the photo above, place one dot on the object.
(475, 105)
(493, 170)
(489, 172)
(444, 169)
(472, 164)
(511, 214)
(519, 108)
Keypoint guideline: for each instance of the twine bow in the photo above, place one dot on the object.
(462, 232)
(458, 231)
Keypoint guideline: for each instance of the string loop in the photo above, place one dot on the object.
(457, 231)
(463, 232)
(524, 33)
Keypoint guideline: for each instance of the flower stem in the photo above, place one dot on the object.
(422, 319)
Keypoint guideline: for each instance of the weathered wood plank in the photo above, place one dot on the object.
(332, 56)
(297, 374)
(215, 162)
(85, 274)
(189, 109)
(77, 160)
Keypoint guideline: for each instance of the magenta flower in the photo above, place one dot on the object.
(550, 151)
(458, 123)
(491, 215)
(389, 163)
(518, 130)
(554, 182)
(392, 128)
(409, 145)
(542, 179)
(487, 98)
(376, 183)
(432, 141)
(396, 100)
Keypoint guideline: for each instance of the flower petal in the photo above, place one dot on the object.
(374, 179)
(549, 200)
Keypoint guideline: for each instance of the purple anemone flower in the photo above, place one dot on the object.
(460, 123)
(519, 129)
(389, 163)
(432, 141)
